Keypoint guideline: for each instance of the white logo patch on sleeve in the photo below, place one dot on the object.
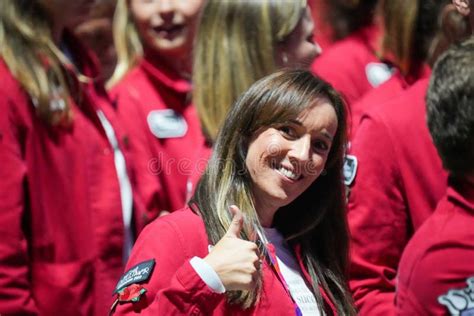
(167, 124)
(459, 302)
(349, 169)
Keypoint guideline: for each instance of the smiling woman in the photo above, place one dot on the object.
(151, 86)
(157, 28)
(284, 160)
(263, 218)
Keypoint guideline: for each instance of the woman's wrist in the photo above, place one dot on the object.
(207, 274)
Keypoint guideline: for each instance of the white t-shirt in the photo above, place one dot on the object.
(292, 274)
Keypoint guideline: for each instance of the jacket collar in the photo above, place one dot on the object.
(159, 71)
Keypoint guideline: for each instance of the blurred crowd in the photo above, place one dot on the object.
(119, 119)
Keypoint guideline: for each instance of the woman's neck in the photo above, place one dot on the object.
(180, 65)
(265, 213)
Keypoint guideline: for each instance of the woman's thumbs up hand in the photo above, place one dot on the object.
(235, 260)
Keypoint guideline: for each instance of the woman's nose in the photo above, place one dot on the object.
(165, 5)
(301, 149)
(166, 9)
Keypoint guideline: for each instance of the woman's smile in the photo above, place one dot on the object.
(284, 160)
(288, 173)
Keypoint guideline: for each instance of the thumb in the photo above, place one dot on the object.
(237, 222)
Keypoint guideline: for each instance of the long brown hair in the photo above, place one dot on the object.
(316, 219)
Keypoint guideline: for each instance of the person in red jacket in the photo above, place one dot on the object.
(151, 87)
(436, 272)
(413, 50)
(396, 180)
(353, 64)
(65, 196)
(280, 148)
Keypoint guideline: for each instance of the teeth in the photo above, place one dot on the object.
(288, 173)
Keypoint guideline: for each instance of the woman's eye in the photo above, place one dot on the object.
(320, 146)
(288, 131)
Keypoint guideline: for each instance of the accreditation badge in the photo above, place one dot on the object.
(349, 169)
(378, 73)
(167, 123)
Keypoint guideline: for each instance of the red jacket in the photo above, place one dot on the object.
(398, 182)
(204, 151)
(440, 259)
(60, 208)
(174, 287)
(383, 93)
(345, 65)
(154, 105)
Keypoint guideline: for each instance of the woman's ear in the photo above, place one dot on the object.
(462, 6)
(281, 56)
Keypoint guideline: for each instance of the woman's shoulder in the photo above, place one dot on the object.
(184, 219)
(126, 84)
(183, 226)
(181, 219)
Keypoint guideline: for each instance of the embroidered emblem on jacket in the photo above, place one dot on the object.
(137, 274)
(460, 302)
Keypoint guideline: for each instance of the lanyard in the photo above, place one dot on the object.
(273, 262)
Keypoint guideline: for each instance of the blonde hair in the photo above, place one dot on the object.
(43, 71)
(127, 41)
(235, 47)
(272, 101)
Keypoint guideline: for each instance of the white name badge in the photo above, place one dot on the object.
(167, 124)
(377, 73)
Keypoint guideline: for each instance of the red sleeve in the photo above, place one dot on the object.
(16, 298)
(377, 219)
(174, 288)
